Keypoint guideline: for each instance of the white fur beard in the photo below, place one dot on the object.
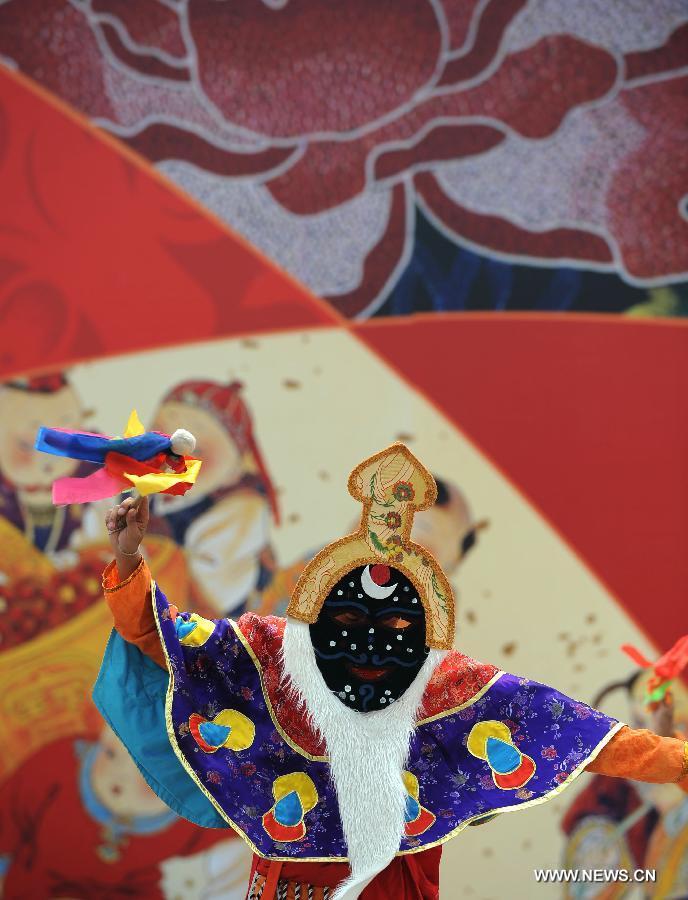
(367, 753)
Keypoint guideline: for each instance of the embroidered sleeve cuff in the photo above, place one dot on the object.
(111, 580)
(130, 603)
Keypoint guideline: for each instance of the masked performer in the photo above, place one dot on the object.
(348, 742)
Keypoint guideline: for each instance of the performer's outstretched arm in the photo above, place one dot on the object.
(641, 755)
(131, 606)
(127, 580)
(635, 754)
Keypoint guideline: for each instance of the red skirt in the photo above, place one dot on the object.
(412, 877)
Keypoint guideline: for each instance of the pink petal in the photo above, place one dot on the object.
(646, 220)
(331, 172)
(442, 142)
(459, 15)
(145, 63)
(137, 99)
(637, 139)
(52, 41)
(522, 93)
(500, 235)
(162, 141)
(673, 54)
(327, 174)
(617, 170)
(380, 263)
(149, 23)
(533, 89)
(313, 67)
(491, 26)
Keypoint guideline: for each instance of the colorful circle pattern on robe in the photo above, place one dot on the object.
(295, 795)
(229, 729)
(417, 818)
(193, 630)
(492, 741)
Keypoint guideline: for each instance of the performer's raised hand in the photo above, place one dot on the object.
(126, 525)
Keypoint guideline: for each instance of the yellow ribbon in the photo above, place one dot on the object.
(160, 481)
(155, 482)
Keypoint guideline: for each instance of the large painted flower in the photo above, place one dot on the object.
(539, 130)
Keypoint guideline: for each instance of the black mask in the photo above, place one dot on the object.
(369, 647)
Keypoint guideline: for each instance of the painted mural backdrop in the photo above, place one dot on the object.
(366, 147)
(304, 230)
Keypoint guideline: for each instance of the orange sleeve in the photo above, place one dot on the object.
(641, 755)
(131, 605)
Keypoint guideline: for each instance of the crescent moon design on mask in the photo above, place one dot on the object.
(375, 590)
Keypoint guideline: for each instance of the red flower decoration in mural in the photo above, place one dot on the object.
(517, 127)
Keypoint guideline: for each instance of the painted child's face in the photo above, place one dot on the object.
(21, 415)
(222, 462)
(118, 783)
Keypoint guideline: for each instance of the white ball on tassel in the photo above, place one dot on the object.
(182, 442)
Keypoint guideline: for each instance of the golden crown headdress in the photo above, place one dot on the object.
(392, 485)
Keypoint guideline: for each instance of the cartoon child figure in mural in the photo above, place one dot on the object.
(349, 741)
(223, 524)
(77, 819)
(27, 476)
(617, 824)
(44, 580)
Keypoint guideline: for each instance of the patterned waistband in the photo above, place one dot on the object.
(287, 890)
